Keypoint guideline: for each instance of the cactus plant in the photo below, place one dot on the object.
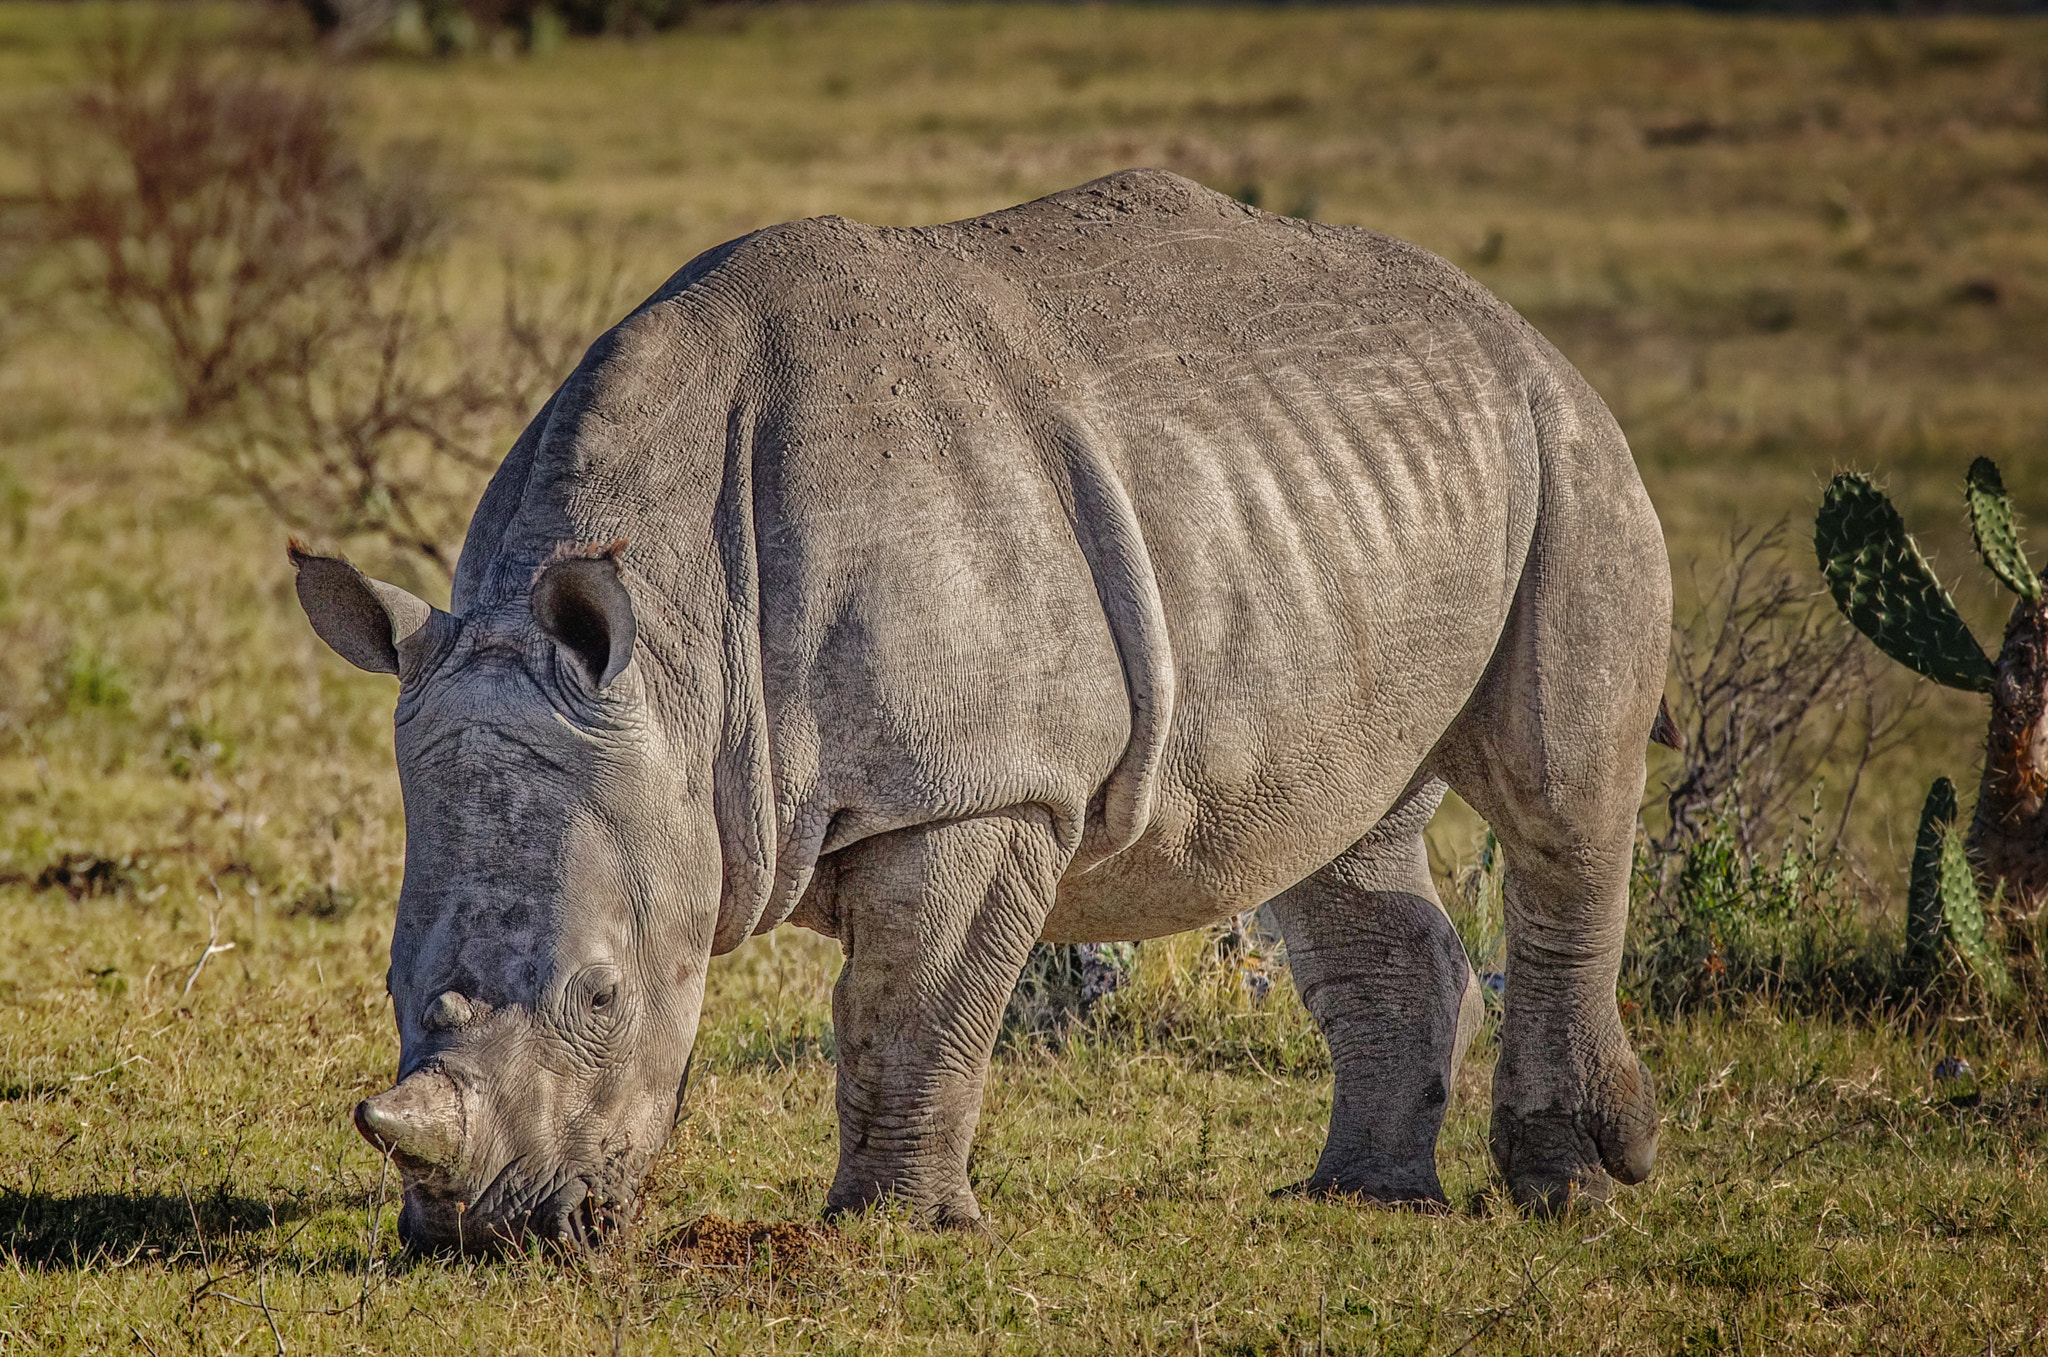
(1997, 532)
(1885, 587)
(1944, 912)
(1962, 917)
(1923, 892)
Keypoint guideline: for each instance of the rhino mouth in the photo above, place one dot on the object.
(568, 1213)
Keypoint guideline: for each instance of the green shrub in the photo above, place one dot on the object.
(1713, 921)
(1188, 996)
(1061, 985)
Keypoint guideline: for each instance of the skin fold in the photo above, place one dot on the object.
(1092, 570)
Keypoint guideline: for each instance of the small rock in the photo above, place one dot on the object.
(1953, 1069)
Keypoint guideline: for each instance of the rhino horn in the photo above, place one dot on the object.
(419, 1121)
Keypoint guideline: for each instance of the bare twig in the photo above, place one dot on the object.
(289, 282)
(376, 1232)
(1773, 687)
(199, 1237)
(1512, 1306)
(213, 945)
(1816, 1143)
(263, 1303)
(98, 1074)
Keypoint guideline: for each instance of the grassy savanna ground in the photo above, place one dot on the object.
(1775, 246)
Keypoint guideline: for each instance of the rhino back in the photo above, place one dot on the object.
(1131, 482)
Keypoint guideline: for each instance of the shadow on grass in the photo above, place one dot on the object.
(33, 1091)
(49, 1232)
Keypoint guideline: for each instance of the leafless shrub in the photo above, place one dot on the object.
(387, 426)
(216, 204)
(1775, 691)
(1745, 890)
(298, 298)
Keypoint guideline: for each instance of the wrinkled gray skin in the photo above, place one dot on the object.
(1088, 571)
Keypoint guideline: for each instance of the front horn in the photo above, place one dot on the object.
(418, 1123)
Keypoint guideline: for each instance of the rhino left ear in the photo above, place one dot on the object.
(579, 599)
(373, 625)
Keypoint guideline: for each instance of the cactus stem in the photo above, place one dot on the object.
(1995, 527)
(2009, 832)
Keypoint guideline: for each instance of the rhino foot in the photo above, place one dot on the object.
(952, 1211)
(1555, 1158)
(1395, 1191)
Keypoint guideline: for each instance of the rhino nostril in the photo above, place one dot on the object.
(449, 1011)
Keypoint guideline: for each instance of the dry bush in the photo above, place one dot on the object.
(1746, 889)
(296, 296)
(389, 426)
(1774, 691)
(214, 206)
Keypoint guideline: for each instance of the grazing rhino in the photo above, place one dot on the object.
(1090, 570)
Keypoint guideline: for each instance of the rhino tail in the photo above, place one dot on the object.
(1111, 541)
(1664, 730)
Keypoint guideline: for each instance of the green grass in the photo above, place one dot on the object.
(1755, 236)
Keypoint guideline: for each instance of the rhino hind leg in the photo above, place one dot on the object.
(1550, 751)
(1385, 976)
(935, 922)
(1573, 1108)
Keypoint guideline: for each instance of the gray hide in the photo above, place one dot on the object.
(1087, 571)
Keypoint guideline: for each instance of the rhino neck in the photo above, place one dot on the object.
(650, 441)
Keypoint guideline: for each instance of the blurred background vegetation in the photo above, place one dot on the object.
(265, 274)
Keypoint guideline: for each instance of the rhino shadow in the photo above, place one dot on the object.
(50, 1232)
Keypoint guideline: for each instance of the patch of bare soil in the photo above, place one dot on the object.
(782, 1248)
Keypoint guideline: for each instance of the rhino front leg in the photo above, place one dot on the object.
(1383, 972)
(936, 923)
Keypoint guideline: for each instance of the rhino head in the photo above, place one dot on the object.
(558, 909)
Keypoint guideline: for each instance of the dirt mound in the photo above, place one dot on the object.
(782, 1247)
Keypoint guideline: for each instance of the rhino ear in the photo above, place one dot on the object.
(580, 600)
(368, 622)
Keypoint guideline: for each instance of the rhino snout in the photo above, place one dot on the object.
(418, 1123)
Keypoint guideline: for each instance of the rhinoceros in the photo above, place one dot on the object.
(1090, 570)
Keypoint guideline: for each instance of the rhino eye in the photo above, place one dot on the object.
(595, 993)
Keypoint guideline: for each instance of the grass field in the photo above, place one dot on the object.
(1776, 246)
